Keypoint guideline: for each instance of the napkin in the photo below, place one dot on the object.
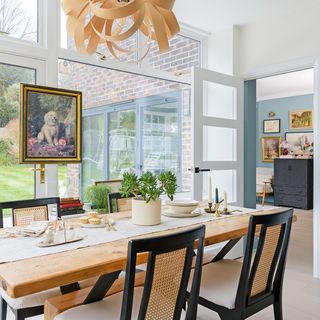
(36, 228)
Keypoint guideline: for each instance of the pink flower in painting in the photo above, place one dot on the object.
(62, 142)
(32, 141)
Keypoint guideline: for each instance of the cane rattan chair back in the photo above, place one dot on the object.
(113, 184)
(262, 273)
(24, 216)
(26, 211)
(168, 271)
(117, 203)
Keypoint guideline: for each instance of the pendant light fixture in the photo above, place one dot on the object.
(109, 22)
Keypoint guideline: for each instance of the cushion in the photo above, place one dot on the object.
(219, 282)
(38, 299)
(109, 308)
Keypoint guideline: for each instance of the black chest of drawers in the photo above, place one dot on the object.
(293, 183)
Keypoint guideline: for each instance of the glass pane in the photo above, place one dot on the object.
(219, 101)
(16, 181)
(224, 180)
(219, 144)
(92, 159)
(19, 19)
(122, 142)
(161, 137)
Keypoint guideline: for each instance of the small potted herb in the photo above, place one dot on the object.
(98, 196)
(146, 204)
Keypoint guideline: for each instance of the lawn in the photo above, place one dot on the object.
(17, 182)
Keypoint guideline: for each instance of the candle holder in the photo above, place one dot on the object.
(209, 209)
(216, 210)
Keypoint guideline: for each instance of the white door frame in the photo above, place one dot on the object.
(198, 121)
(40, 67)
(296, 65)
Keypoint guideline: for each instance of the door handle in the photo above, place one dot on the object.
(198, 170)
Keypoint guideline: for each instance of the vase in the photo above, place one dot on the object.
(146, 213)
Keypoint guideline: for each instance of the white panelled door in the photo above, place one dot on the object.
(217, 130)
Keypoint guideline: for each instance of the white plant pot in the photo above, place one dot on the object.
(146, 214)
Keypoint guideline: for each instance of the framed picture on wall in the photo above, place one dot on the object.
(271, 126)
(270, 148)
(301, 119)
(50, 125)
(304, 140)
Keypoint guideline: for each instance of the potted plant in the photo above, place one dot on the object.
(98, 196)
(146, 203)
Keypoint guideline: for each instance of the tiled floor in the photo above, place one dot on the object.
(301, 290)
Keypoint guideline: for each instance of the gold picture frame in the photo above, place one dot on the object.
(50, 125)
(270, 148)
(301, 119)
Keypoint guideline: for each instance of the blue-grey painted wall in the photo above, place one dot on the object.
(281, 107)
(249, 144)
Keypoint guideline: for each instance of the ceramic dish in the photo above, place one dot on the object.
(88, 225)
(181, 215)
(45, 244)
(182, 203)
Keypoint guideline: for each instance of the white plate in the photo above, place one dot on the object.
(89, 226)
(181, 215)
(182, 203)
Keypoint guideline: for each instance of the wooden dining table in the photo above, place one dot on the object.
(28, 276)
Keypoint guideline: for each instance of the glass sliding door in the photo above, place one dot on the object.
(121, 142)
(161, 136)
(93, 164)
(16, 181)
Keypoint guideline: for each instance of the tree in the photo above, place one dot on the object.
(10, 78)
(15, 21)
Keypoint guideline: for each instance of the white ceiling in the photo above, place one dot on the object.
(285, 85)
(211, 15)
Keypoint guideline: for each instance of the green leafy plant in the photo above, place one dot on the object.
(149, 186)
(98, 196)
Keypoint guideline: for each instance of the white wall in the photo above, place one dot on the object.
(280, 40)
(223, 51)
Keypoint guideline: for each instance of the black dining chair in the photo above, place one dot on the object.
(164, 292)
(119, 203)
(23, 213)
(238, 290)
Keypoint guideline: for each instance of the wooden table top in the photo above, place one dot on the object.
(33, 275)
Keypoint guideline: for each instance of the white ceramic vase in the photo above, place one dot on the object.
(146, 214)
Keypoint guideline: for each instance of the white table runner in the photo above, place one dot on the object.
(13, 249)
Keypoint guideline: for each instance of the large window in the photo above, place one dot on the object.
(19, 19)
(16, 181)
(130, 122)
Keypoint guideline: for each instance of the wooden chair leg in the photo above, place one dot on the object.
(3, 309)
(263, 199)
(277, 310)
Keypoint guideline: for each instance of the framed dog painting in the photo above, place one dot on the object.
(50, 125)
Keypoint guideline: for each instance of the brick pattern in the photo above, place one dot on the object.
(184, 53)
(104, 87)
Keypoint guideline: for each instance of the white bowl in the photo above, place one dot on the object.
(183, 203)
(182, 207)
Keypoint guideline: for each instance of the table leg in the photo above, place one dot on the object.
(226, 249)
(101, 287)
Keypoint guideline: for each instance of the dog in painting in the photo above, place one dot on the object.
(50, 129)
